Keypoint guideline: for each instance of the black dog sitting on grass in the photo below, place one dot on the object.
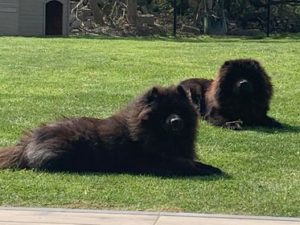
(240, 95)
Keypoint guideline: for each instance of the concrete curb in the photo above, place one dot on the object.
(181, 214)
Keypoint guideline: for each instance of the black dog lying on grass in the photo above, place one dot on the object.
(154, 134)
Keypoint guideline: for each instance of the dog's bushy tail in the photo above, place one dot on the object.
(10, 157)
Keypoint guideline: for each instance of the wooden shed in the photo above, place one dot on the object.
(34, 17)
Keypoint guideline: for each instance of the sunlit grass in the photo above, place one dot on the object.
(45, 79)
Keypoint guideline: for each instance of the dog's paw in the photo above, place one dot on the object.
(234, 125)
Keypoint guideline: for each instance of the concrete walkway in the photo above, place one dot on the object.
(44, 216)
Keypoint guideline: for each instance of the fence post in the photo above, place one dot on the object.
(268, 17)
(175, 18)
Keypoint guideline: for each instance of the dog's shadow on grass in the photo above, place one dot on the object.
(286, 128)
(223, 176)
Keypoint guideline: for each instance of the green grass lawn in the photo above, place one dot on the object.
(45, 79)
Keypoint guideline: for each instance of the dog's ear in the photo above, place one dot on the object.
(227, 62)
(184, 92)
(152, 94)
(256, 63)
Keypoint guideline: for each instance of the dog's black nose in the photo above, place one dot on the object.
(244, 83)
(245, 86)
(175, 122)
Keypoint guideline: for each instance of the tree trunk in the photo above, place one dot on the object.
(96, 12)
(132, 12)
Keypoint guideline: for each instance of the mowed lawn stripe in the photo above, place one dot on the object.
(45, 79)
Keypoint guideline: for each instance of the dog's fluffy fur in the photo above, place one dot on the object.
(223, 106)
(154, 134)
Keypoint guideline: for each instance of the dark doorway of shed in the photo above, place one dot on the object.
(54, 18)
